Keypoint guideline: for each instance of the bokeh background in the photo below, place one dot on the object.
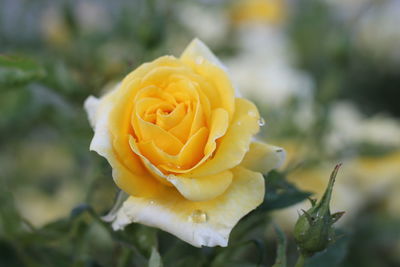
(325, 75)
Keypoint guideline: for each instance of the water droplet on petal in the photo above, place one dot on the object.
(261, 122)
(252, 114)
(198, 216)
(199, 60)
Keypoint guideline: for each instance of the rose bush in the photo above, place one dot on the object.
(180, 143)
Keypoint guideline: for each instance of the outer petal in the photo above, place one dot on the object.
(218, 127)
(263, 157)
(235, 143)
(197, 50)
(135, 181)
(204, 188)
(206, 223)
(195, 189)
(200, 58)
(91, 104)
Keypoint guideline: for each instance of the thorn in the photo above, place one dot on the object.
(313, 201)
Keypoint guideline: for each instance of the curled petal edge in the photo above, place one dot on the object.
(171, 212)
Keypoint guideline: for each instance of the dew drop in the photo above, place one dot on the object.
(198, 216)
(261, 122)
(252, 114)
(199, 60)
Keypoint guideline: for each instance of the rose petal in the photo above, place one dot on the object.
(190, 154)
(116, 116)
(163, 139)
(197, 189)
(219, 126)
(204, 188)
(197, 50)
(263, 157)
(205, 223)
(235, 143)
(167, 121)
(132, 178)
(90, 105)
(182, 129)
(200, 58)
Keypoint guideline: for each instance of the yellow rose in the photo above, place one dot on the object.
(180, 144)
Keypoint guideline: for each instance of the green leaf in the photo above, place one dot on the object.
(251, 226)
(8, 254)
(280, 193)
(78, 210)
(16, 71)
(10, 219)
(155, 258)
(239, 264)
(178, 253)
(141, 237)
(253, 250)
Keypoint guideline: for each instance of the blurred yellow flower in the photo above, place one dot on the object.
(180, 144)
(265, 11)
(379, 177)
(374, 173)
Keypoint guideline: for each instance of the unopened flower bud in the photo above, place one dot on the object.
(313, 231)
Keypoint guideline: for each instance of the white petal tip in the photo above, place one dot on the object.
(198, 51)
(90, 105)
(195, 233)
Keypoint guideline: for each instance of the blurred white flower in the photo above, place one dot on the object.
(377, 31)
(348, 9)
(349, 126)
(263, 41)
(264, 70)
(205, 23)
(92, 16)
